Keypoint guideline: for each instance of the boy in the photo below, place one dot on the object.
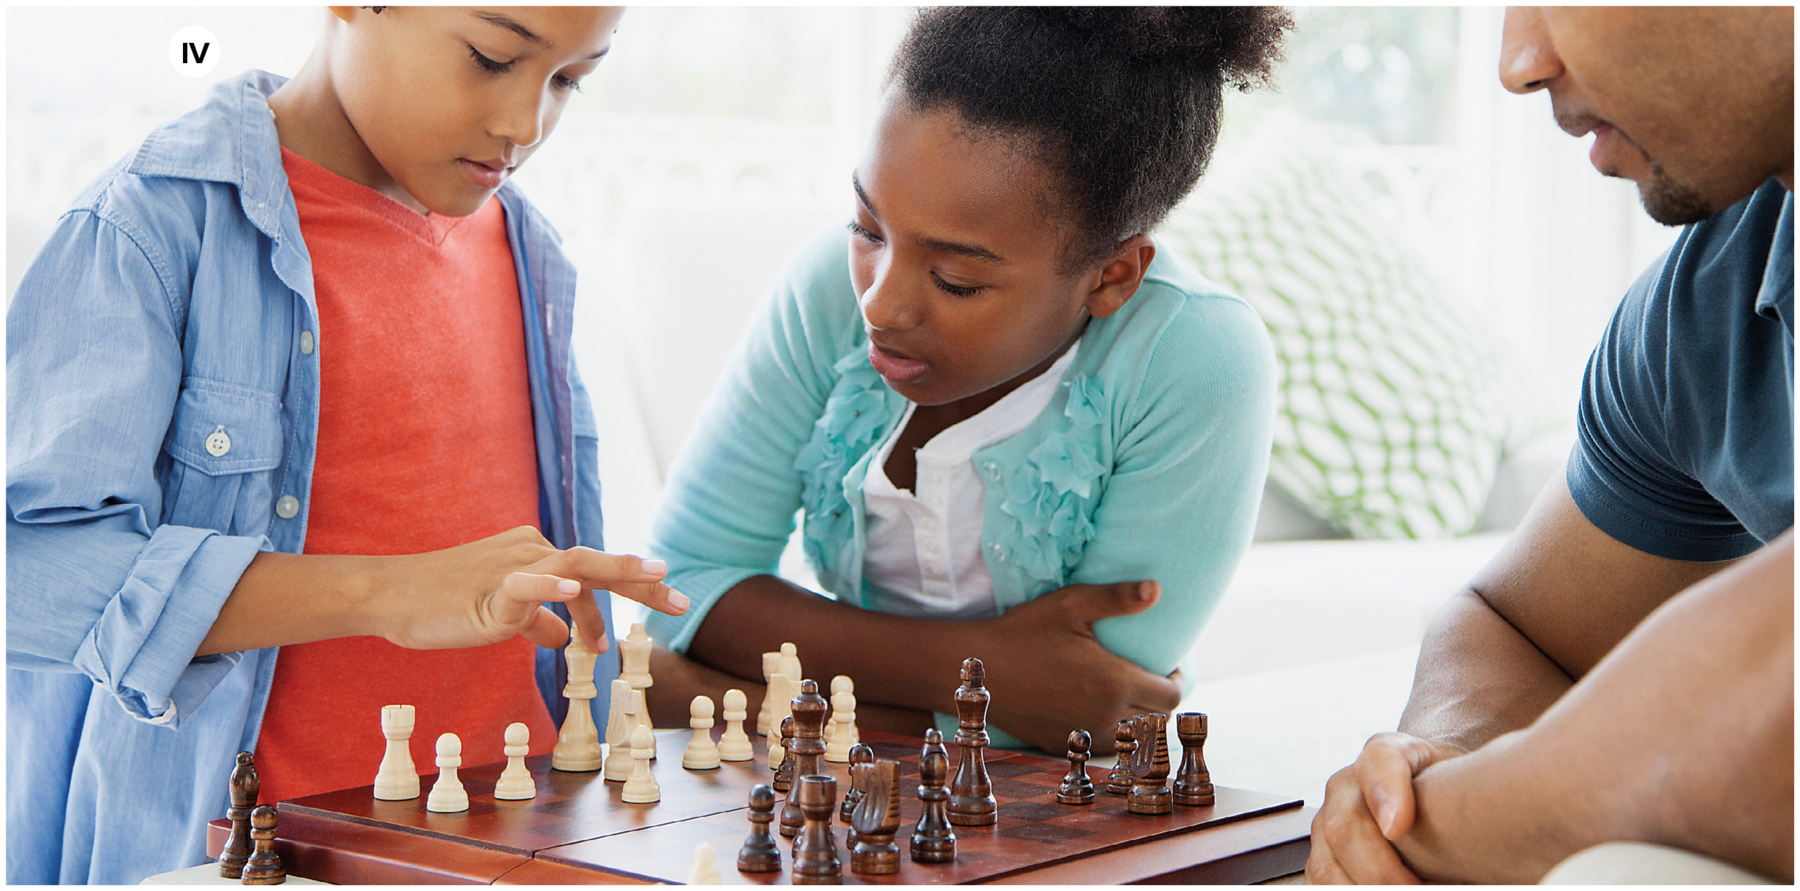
(287, 377)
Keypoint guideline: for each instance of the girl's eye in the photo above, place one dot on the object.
(488, 64)
(862, 233)
(956, 290)
(566, 83)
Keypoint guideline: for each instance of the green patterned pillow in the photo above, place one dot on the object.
(1395, 403)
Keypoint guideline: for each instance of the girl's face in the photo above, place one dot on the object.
(954, 253)
(450, 101)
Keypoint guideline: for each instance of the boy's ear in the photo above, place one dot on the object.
(1121, 275)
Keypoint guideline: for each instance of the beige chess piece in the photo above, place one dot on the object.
(447, 795)
(843, 727)
(764, 725)
(705, 870)
(641, 787)
(619, 725)
(734, 743)
(578, 744)
(397, 779)
(843, 684)
(515, 781)
(701, 753)
(781, 692)
(634, 668)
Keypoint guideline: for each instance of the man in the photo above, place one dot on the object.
(1623, 671)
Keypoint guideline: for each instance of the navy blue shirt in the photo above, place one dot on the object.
(1686, 445)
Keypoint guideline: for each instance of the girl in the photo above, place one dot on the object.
(1016, 431)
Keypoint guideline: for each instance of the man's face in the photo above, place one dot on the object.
(1695, 105)
(451, 101)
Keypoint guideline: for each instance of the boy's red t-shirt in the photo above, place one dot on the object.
(425, 442)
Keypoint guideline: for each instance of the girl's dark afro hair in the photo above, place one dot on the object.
(1121, 103)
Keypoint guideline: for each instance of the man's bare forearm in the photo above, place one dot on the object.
(1478, 677)
(1683, 736)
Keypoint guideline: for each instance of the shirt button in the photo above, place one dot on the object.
(306, 343)
(288, 507)
(218, 443)
(931, 548)
(992, 469)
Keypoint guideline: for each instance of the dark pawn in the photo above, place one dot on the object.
(971, 795)
(1124, 743)
(245, 785)
(784, 771)
(1193, 784)
(1077, 788)
(1150, 767)
(760, 853)
(933, 841)
(815, 851)
(264, 866)
(859, 754)
(877, 820)
(810, 713)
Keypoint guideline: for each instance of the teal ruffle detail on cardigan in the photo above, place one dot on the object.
(855, 414)
(1053, 495)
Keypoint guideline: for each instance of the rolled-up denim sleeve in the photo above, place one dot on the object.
(95, 582)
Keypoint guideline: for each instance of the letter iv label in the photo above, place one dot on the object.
(193, 51)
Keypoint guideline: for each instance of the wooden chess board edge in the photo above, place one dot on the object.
(343, 853)
(306, 813)
(543, 871)
(1274, 845)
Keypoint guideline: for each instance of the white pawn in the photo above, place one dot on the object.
(701, 754)
(790, 666)
(618, 736)
(843, 684)
(704, 871)
(447, 795)
(771, 667)
(515, 781)
(634, 658)
(396, 779)
(734, 744)
(641, 788)
(843, 724)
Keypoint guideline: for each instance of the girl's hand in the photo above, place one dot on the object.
(489, 590)
(1049, 674)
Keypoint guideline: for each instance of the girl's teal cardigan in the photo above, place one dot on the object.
(1147, 464)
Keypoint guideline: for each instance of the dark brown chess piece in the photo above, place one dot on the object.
(784, 771)
(971, 795)
(244, 788)
(760, 853)
(1193, 784)
(1077, 787)
(877, 820)
(264, 866)
(815, 851)
(1124, 743)
(859, 786)
(933, 841)
(810, 713)
(859, 754)
(1150, 767)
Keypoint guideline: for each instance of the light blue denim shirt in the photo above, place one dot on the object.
(162, 413)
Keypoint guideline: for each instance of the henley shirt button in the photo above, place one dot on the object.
(306, 343)
(288, 507)
(218, 443)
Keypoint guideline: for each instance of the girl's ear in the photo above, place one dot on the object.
(343, 13)
(1121, 275)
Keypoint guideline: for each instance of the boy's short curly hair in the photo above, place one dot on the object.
(1122, 103)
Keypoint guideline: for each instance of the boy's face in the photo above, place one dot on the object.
(450, 101)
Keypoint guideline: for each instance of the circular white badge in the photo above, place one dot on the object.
(193, 51)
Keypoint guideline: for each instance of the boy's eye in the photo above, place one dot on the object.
(488, 64)
(862, 233)
(956, 290)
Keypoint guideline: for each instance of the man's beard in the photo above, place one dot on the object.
(1669, 202)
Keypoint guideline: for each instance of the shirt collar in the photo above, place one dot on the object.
(230, 139)
(1778, 277)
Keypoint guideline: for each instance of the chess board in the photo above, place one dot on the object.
(578, 830)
